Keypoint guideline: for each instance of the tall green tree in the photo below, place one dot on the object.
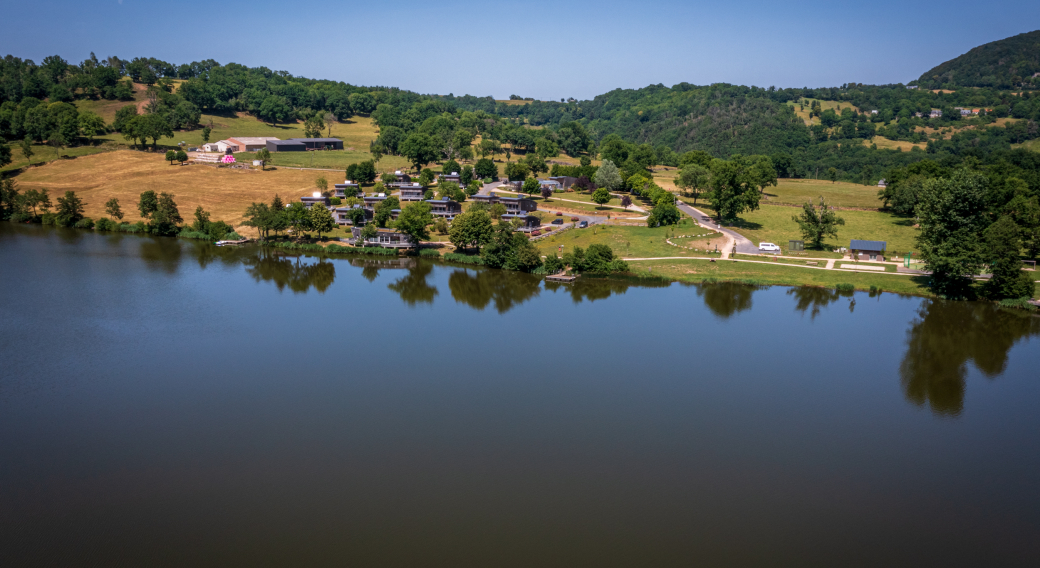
(413, 221)
(148, 203)
(1003, 249)
(264, 155)
(472, 229)
(298, 218)
(420, 149)
(5, 154)
(171, 156)
(112, 208)
(692, 178)
(33, 198)
(531, 186)
(952, 217)
(27, 150)
(70, 209)
(166, 217)
(91, 124)
(817, 224)
(734, 186)
(608, 176)
(321, 220)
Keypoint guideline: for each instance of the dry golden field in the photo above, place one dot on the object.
(124, 174)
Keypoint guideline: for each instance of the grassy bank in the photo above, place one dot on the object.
(774, 224)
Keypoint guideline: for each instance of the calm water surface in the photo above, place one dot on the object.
(168, 403)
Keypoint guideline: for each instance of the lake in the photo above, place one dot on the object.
(170, 403)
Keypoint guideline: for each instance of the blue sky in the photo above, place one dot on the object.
(545, 50)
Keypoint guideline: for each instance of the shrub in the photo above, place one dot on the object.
(845, 287)
(335, 201)
(21, 218)
(1019, 304)
(429, 252)
(463, 258)
(105, 224)
(49, 219)
(84, 223)
(138, 227)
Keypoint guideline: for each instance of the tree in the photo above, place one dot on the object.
(489, 146)
(201, 219)
(27, 150)
(322, 185)
(693, 178)
(10, 200)
(385, 210)
(832, 174)
(485, 168)
(816, 225)
(535, 164)
(413, 221)
(357, 216)
(313, 126)
(377, 150)
(112, 208)
(426, 177)
(328, 118)
(663, 213)
(451, 166)
(1003, 247)
(608, 176)
(497, 210)
(466, 175)
(952, 219)
(171, 156)
(181, 156)
(5, 154)
(264, 155)
(626, 201)
(517, 171)
(531, 186)
(205, 134)
(472, 229)
(166, 217)
(321, 219)
(91, 124)
(601, 196)
(148, 203)
(274, 109)
(733, 186)
(298, 219)
(420, 149)
(33, 198)
(152, 126)
(547, 192)
(258, 216)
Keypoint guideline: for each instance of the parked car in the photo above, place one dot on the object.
(583, 224)
(575, 219)
(557, 221)
(535, 233)
(559, 213)
(768, 247)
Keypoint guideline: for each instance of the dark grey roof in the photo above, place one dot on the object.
(857, 244)
(290, 142)
(316, 139)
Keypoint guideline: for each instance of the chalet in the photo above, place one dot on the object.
(565, 181)
(372, 200)
(514, 205)
(551, 184)
(452, 177)
(402, 177)
(530, 222)
(310, 200)
(347, 188)
(445, 208)
(250, 143)
(386, 238)
(936, 113)
(342, 214)
(867, 250)
(412, 192)
(882, 183)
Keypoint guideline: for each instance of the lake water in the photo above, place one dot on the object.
(169, 403)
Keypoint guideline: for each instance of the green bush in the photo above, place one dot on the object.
(429, 252)
(138, 227)
(21, 218)
(1019, 304)
(187, 233)
(84, 223)
(463, 258)
(105, 224)
(845, 287)
(49, 219)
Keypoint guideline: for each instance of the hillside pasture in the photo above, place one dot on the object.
(824, 105)
(774, 224)
(837, 194)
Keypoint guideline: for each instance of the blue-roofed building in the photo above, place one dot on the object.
(867, 250)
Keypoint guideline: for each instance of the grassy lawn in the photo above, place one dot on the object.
(837, 194)
(1033, 145)
(43, 153)
(329, 159)
(632, 242)
(824, 105)
(699, 270)
(886, 144)
(774, 224)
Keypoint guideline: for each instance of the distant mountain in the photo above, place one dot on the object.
(1003, 64)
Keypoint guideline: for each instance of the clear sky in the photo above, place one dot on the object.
(541, 49)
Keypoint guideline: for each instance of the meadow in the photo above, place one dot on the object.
(632, 242)
(774, 224)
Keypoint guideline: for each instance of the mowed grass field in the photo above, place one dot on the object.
(804, 114)
(774, 224)
(886, 144)
(633, 242)
(837, 194)
(125, 174)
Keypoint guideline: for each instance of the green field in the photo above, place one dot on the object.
(774, 224)
(43, 153)
(837, 194)
(632, 242)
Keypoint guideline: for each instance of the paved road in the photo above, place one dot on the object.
(591, 219)
(744, 246)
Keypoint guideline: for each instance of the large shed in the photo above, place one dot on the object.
(867, 250)
(285, 146)
(319, 143)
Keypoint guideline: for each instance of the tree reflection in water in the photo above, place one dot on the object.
(945, 337)
(479, 288)
(726, 298)
(290, 272)
(413, 288)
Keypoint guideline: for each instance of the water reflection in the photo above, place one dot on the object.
(479, 288)
(725, 299)
(948, 335)
(813, 299)
(293, 273)
(413, 288)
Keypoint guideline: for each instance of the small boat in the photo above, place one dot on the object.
(229, 243)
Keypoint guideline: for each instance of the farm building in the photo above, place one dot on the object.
(565, 181)
(221, 146)
(250, 143)
(867, 250)
(302, 144)
(285, 146)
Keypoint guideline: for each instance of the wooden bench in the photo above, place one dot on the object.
(812, 262)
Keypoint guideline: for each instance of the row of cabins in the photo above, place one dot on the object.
(516, 208)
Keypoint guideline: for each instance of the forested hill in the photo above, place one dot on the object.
(1005, 64)
(719, 119)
